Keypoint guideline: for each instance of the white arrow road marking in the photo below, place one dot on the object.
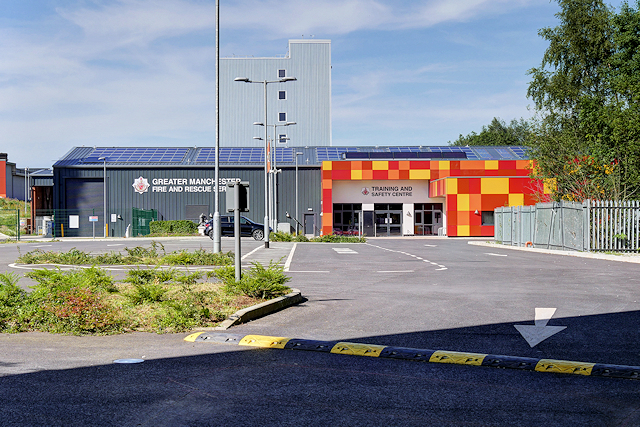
(535, 334)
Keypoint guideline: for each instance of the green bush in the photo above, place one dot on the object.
(257, 282)
(11, 297)
(137, 255)
(279, 236)
(198, 257)
(332, 238)
(68, 302)
(173, 227)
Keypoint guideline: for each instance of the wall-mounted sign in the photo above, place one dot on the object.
(391, 191)
(141, 185)
(181, 185)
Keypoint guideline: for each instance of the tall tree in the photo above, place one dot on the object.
(586, 94)
(497, 133)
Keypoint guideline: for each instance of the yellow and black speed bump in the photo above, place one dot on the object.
(421, 355)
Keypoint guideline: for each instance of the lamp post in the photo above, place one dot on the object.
(217, 241)
(266, 142)
(273, 174)
(104, 193)
(297, 213)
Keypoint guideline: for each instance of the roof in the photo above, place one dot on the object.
(254, 156)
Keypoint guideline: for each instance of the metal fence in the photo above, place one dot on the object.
(615, 226)
(141, 220)
(10, 224)
(588, 226)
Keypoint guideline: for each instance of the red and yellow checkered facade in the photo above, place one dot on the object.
(467, 187)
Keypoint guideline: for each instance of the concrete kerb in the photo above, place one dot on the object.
(624, 257)
(259, 310)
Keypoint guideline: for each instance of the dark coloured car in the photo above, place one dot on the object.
(248, 228)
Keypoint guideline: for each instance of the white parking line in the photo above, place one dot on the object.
(344, 251)
(287, 264)
(395, 271)
(489, 253)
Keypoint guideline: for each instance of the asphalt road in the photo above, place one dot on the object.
(422, 293)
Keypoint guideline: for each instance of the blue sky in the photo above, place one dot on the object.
(141, 72)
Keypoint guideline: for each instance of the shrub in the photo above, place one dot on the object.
(173, 227)
(332, 238)
(279, 236)
(11, 297)
(198, 257)
(258, 281)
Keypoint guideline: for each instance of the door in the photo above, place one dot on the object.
(309, 224)
(368, 225)
(388, 223)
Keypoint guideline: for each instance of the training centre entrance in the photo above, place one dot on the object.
(388, 219)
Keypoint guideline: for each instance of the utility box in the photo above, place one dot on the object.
(244, 196)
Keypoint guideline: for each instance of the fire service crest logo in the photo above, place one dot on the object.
(141, 185)
(365, 191)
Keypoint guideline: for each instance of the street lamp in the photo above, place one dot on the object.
(273, 176)
(297, 213)
(104, 193)
(266, 171)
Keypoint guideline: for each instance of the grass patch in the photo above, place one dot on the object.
(89, 301)
(153, 255)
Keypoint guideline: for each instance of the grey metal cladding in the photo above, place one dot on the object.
(308, 100)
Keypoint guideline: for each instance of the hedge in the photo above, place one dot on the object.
(176, 227)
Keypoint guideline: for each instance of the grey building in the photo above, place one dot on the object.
(176, 182)
(305, 101)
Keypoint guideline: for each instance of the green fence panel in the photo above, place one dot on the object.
(141, 220)
(10, 223)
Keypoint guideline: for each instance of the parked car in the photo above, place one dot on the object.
(248, 228)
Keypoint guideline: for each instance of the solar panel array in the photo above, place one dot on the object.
(248, 155)
(244, 155)
(232, 154)
(332, 153)
(136, 155)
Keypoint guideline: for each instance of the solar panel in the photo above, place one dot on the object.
(483, 154)
(136, 155)
(332, 153)
(284, 155)
(521, 152)
(505, 153)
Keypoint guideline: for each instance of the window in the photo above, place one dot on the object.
(282, 138)
(282, 117)
(487, 218)
(282, 94)
(282, 73)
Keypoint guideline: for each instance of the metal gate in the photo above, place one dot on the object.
(141, 220)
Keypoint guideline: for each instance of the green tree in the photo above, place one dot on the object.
(586, 94)
(497, 133)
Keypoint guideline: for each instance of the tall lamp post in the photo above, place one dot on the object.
(217, 241)
(273, 187)
(104, 193)
(297, 212)
(266, 142)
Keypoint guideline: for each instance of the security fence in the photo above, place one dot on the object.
(70, 223)
(588, 226)
(141, 220)
(10, 224)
